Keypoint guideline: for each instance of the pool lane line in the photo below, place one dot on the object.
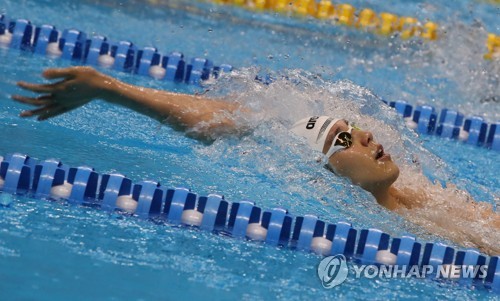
(244, 220)
(366, 20)
(97, 50)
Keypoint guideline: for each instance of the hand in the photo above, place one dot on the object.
(78, 86)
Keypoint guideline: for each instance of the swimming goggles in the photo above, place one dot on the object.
(341, 141)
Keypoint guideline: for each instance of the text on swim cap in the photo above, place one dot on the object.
(311, 122)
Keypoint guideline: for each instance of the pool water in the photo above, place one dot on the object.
(50, 250)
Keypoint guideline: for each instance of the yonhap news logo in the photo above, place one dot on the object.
(333, 271)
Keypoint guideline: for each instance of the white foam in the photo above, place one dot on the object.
(306, 178)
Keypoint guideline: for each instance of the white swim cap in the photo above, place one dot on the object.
(315, 129)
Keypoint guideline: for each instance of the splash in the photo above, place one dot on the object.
(271, 153)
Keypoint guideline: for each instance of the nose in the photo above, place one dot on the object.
(364, 137)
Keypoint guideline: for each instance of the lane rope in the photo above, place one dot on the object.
(53, 180)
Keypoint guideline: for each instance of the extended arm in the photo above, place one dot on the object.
(201, 118)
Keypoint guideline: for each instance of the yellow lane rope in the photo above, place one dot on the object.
(365, 19)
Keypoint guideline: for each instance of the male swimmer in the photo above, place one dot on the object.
(351, 152)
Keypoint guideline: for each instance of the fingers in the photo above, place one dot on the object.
(40, 88)
(46, 112)
(35, 101)
(54, 73)
(54, 112)
(43, 110)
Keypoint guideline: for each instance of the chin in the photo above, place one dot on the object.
(386, 179)
(390, 172)
(395, 176)
(392, 175)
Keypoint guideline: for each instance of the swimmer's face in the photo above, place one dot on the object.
(364, 162)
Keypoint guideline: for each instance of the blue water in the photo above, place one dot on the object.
(52, 251)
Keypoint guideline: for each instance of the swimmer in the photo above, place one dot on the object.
(351, 152)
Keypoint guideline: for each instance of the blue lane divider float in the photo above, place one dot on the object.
(112, 187)
(123, 56)
(214, 209)
(469, 259)
(180, 199)
(198, 70)
(451, 124)
(124, 53)
(44, 35)
(149, 196)
(279, 225)
(175, 67)
(492, 280)
(48, 173)
(494, 136)
(406, 249)
(20, 174)
(304, 231)
(241, 215)
(402, 108)
(370, 242)
(425, 118)
(21, 34)
(84, 184)
(437, 254)
(72, 44)
(17, 172)
(147, 57)
(344, 238)
(96, 47)
(476, 129)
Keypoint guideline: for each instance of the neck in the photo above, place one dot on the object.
(386, 196)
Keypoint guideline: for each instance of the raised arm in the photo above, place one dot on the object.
(200, 118)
